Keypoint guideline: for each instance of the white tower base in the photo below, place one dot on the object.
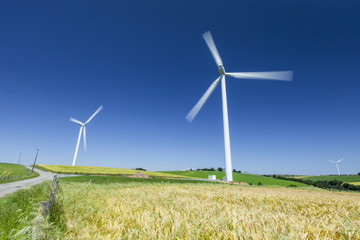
(77, 147)
(228, 166)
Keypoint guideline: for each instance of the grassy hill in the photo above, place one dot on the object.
(87, 170)
(238, 177)
(12, 169)
(348, 179)
(9, 169)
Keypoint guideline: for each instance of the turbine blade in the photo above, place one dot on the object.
(211, 44)
(331, 161)
(84, 135)
(194, 111)
(280, 75)
(96, 112)
(339, 160)
(76, 121)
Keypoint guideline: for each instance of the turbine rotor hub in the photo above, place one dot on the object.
(221, 69)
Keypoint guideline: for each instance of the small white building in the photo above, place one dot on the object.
(212, 177)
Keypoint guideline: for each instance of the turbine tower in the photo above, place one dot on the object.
(82, 130)
(280, 75)
(337, 164)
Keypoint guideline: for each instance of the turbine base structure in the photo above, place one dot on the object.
(228, 167)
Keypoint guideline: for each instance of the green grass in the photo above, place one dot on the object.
(9, 169)
(124, 180)
(19, 213)
(238, 177)
(348, 179)
(12, 169)
(87, 170)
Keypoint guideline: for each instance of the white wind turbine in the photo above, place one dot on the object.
(337, 164)
(82, 128)
(282, 75)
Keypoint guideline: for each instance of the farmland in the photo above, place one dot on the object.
(238, 177)
(9, 169)
(343, 178)
(12, 169)
(125, 180)
(139, 210)
(113, 207)
(87, 170)
(249, 178)
(19, 213)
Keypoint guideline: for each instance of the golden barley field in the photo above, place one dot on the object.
(189, 211)
(102, 171)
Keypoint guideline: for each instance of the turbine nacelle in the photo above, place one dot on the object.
(221, 69)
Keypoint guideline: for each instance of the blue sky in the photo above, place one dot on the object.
(147, 64)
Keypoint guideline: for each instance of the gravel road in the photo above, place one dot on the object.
(7, 188)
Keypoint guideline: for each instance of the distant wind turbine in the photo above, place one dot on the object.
(337, 164)
(282, 75)
(82, 128)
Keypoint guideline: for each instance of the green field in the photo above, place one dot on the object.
(238, 177)
(12, 169)
(87, 170)
(126, 180)
(9, 169)
(347, 179)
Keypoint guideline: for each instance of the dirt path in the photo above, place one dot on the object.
(7, 188)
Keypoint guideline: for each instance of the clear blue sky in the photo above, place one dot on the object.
(147, 64)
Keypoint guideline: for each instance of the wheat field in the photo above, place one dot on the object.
(186, 211)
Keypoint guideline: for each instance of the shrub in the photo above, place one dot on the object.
(140, 169)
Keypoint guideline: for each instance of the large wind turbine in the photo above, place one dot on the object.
(282, 75)
(337, 164)
(82, 130)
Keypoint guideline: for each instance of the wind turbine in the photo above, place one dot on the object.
(337, 164)
(82, 130)
(282, 75)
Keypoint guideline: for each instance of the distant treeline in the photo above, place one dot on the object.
(333, 184)
(141, 169)
(219, 169)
